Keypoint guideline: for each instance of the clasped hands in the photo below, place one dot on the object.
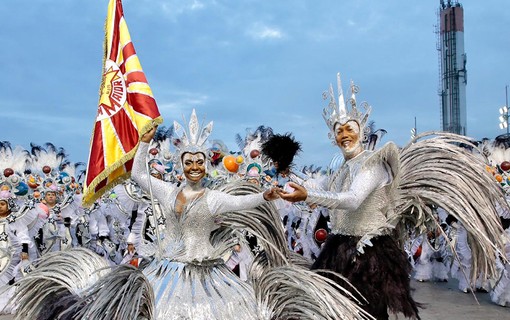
(298, 193)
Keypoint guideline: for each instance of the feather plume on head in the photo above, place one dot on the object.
(281, 149)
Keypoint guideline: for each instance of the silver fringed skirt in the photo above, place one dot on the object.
(205, 290)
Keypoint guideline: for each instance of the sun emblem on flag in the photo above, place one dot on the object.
(112, 91)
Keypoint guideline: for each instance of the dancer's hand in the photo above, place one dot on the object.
(147, 137)
(299, 193)
(271, 194)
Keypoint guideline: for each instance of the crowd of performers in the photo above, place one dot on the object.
(155, 222)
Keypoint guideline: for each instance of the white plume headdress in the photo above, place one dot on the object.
(338, 113)
(194, 139)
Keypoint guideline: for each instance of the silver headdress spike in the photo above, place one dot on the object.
(338, 113)
(195, 138)
(341, 101)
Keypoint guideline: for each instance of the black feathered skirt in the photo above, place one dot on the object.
(381, 274)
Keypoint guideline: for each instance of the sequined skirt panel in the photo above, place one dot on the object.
(208, 290)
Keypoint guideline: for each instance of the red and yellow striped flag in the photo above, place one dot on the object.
(126, 110)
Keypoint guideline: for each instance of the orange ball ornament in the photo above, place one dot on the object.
(499, 178)
(32, 183)
(229, 162)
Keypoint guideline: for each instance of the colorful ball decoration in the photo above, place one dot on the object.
(14, 179)
(21, 189)
(8, 172)
(46, 169)
(505, 165)
(154, 151)
(254, 153)
(32, 182)
(229, 162)
(499, 178)
(64, 178)
(321, 235)
(239, 159)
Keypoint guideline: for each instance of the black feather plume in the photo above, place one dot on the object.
(281, 149)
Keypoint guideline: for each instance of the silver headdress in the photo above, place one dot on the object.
(338, 113)
(194, 139)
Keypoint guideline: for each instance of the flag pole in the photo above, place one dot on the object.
(158, 241)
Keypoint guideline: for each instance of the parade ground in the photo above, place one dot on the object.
(443, 301)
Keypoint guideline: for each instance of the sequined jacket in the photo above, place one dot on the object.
(187, 236)
(360, 194)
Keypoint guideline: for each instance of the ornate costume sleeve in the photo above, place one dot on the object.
(102, 223)
(160, 188)
(365, 182)
(22, 232)
(135, 236)
(220, 202)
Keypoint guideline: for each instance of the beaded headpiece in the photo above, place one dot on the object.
(7, 196)
(338, 113)
(194, 139)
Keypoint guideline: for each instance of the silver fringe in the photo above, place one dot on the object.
(284, 287)
(435, 169)
(56, 282)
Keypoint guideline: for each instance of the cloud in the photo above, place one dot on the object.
(45, 118)
(173, 8)
(182, 103)
(261, 31)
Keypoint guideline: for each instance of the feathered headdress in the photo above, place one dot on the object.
(163, 143)
(13, 163)
(16, 159)
(252, 143)
(338, 113)
(51, 161)
(193, 140)
(7, 196)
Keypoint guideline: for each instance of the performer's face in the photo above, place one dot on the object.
(51, 198)
(193, 166)
(4, 207)
(347, 137)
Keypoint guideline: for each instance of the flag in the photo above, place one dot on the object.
(126, 110)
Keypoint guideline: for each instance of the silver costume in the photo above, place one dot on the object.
(189, 278)
(360, 195)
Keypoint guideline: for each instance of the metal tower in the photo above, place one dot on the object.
(452, 61)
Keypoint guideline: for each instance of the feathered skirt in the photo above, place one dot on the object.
(381, 274)
(208, 290)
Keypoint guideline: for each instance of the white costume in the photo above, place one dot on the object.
(500, 294)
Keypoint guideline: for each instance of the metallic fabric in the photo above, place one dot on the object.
(360, 193)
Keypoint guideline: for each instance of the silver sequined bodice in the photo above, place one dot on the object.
(186, 236)
(360, 194)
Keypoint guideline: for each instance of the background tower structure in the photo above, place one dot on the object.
(452, 62)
